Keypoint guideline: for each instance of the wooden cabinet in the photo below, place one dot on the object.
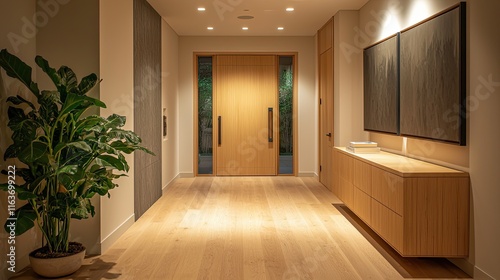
(420, 209)
(325, 37)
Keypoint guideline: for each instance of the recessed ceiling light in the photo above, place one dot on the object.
(244, 28)
(290, 9)
(210, 28)
(245, 17)
(201, 9)
(281, 28)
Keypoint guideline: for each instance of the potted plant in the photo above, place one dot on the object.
(67, 158)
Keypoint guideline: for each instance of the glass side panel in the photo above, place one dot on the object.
(205, 149)
(286, 114)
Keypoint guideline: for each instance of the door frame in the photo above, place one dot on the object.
(294, 55)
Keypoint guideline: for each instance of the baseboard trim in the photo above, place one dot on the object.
(479, 274)
(186, 175)
(307, 174)
(117, 233)
(170, 183)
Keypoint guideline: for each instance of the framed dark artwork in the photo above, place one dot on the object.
(381, 86)
(433, 78)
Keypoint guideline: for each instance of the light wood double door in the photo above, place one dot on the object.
(246, 115)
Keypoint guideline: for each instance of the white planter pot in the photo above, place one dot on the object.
(57, 267)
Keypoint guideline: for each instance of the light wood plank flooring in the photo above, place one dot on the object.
(244, 228)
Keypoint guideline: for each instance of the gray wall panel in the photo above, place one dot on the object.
(147, 104)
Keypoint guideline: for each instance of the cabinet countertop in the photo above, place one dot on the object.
(405, 166)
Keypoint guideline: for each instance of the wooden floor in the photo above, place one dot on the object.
(246, 228)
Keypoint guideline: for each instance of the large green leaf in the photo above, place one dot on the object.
(128, 135)
(24, 222)
(81, 145)
(49, 109)
(17, 100)
(88, 124)
(123, 147)
(16, 68)
(24, 131)
(69, 169)
(81, 208)
(107, 160)
(68, 82)
(33, 152)
(115, 121)
(16, 116)
(24, 194)
(4, 187)
(51, 72)
(12, 151)
(87, 83)
(79, 103)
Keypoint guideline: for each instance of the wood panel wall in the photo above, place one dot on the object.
(147, 105)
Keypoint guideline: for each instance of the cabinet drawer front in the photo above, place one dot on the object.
(363, 176)
(346, 190)
(388, 225)
(361, 205)
(387, 188)
(346, 167)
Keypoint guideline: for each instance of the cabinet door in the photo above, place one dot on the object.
(325, 37)
(387, 189)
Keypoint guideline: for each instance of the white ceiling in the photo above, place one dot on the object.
(222, 15)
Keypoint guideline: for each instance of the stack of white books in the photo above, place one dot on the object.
(363, 147)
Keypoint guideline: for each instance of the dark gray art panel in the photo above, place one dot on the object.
(381, 85)
(431, 97)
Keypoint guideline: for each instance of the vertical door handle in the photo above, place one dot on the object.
(270, 128)
(329, 134)
(219, 130)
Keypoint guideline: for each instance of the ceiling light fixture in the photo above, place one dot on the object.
(281, 28)
(245, 17)
(210, 28)
(201, 9)
(244, 28)
(290, 9)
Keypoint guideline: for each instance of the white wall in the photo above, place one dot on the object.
(484, 97)
(348, 91)
(117, 91)
(19, 40)
(381, 18)
(170, 104)
(307, 94)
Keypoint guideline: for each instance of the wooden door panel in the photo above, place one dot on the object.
(326, 117)
(246, 89)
